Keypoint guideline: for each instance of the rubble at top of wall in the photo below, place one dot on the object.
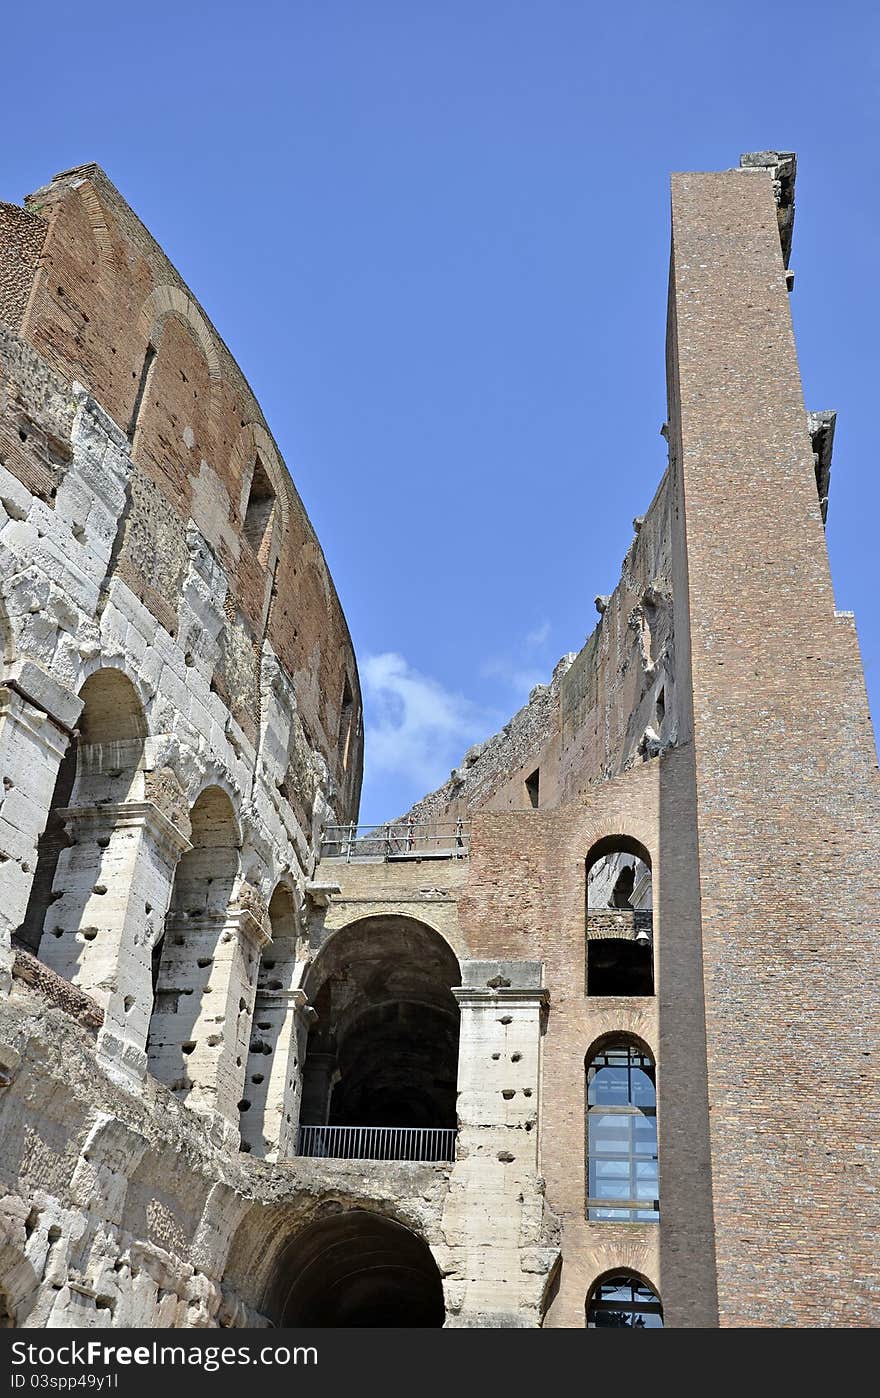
(781, 165)
(487, 764)
(607, 707)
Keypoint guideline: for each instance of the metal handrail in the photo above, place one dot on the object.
(408, 839)
(431, 1143)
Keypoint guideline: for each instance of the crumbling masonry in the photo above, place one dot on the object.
(590, 1036)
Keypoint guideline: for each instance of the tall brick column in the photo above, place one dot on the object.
(787, 801)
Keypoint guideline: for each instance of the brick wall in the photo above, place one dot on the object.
(785, 788)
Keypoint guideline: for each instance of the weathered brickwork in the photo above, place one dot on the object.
(619, 1023)
(786, 789)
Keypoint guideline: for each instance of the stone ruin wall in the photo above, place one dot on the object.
(125, 1197)
(203, 684)
(125, 552)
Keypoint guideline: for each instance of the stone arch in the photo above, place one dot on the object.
(612, 1036)
(619, 917)
(194, 958)
(618, 841)
(252, 442)
(383, 1050)
(355, 1268)
(269, 1105)
(97, 222)
(80, 855)
(169, 300)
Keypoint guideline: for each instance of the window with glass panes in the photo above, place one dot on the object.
(624, 1302)
(621, 1136)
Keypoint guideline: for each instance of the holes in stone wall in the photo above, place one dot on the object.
(195, 927)
(271, 1040)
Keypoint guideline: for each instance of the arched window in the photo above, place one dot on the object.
(620, 926)
(622, 1179)
(623, 1301)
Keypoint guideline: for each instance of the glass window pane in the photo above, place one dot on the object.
(624, 1302)
(610, 1088)
(611, 1133)
(622, 1144)
(643, 1091)
(602, 1214)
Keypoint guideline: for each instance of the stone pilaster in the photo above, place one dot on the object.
(201, 1023)
(495, 1188)
(278, 1038)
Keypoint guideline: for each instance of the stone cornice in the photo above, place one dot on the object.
(123, 814)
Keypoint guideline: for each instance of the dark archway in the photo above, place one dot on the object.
(620, 930)
(356, 1269)
(384, 1049)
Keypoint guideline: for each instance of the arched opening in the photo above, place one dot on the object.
(621, 1135)
(346, 713)
(191, 960)
(259, 518)
(356, 1269)
(266, 1109)
(383, 1051)
(620, 929)
(75, 892)
(623, 1301)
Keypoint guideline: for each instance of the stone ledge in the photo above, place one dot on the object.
(55, 990)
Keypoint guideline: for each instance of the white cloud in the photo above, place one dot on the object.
(414, 727)
(520, 673)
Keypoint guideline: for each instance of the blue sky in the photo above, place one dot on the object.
(435, 236)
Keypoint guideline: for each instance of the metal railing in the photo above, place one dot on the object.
(406, 839)
(378, 1142)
